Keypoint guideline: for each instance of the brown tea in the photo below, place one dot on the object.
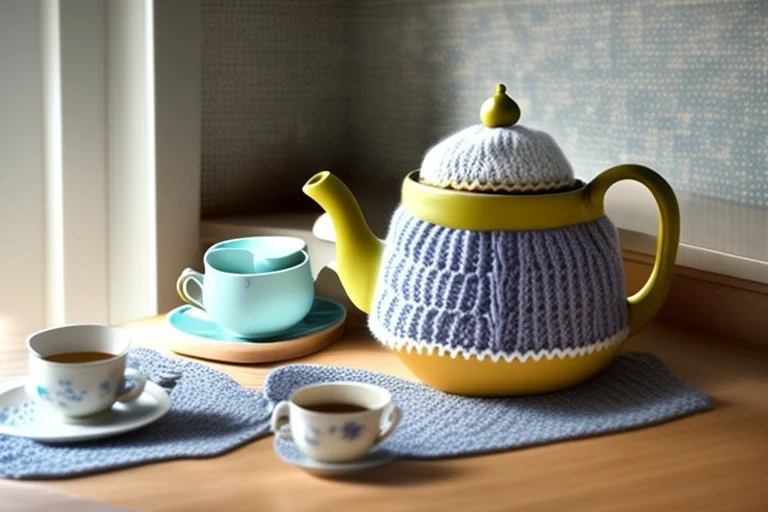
(335, 408)
(79, 357)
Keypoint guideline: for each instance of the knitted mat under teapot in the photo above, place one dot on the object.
(211, 415)
(635, 390)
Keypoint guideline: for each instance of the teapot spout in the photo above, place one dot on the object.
(358, 250)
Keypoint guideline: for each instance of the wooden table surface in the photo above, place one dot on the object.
(716, 460)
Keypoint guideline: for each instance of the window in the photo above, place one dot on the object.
(99, 180)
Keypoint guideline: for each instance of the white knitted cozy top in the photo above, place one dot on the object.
(508, 159)
(499, 294)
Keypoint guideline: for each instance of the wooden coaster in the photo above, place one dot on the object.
(198, 336)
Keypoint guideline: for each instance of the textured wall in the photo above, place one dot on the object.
(679, 85)
(273, 100)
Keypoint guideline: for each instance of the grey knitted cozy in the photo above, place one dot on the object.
(635, 390)
(512, 159)
(498, 294)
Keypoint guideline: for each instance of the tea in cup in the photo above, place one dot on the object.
(244, 300)
(79, 370)
(336, 422)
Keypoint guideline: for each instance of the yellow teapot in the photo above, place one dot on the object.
(500, 274)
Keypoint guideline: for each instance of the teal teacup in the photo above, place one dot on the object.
(249, 304)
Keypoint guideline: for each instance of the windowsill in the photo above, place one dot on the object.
(717, 236)
(719, 293)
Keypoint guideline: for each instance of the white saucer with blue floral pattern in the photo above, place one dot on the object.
(24, 417)
(288, 452)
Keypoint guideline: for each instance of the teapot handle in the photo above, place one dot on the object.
(647, 302)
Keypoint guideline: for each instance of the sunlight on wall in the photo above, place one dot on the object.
(290, 88)
(7, 328)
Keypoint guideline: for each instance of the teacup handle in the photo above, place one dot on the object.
(280, 418)
(128, 393)
(182, 282)
(394, 415)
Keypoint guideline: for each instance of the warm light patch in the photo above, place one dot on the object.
(6, 327)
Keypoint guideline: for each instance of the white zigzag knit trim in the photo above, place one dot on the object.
(429, 348)
(486, 187)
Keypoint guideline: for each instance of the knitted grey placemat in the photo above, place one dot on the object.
(635, 390)
(210, 414)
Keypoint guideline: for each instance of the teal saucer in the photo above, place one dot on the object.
(201, 337)
(324, 313)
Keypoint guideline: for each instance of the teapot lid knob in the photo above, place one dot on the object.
(499, 110)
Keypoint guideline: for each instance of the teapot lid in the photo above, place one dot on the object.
(498, 155)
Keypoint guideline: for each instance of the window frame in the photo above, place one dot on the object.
(114, 157)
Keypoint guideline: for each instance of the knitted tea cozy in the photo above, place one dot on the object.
(510, 158)
(500, 294)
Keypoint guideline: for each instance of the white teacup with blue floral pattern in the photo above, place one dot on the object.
(81, 389)
(334, 436)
